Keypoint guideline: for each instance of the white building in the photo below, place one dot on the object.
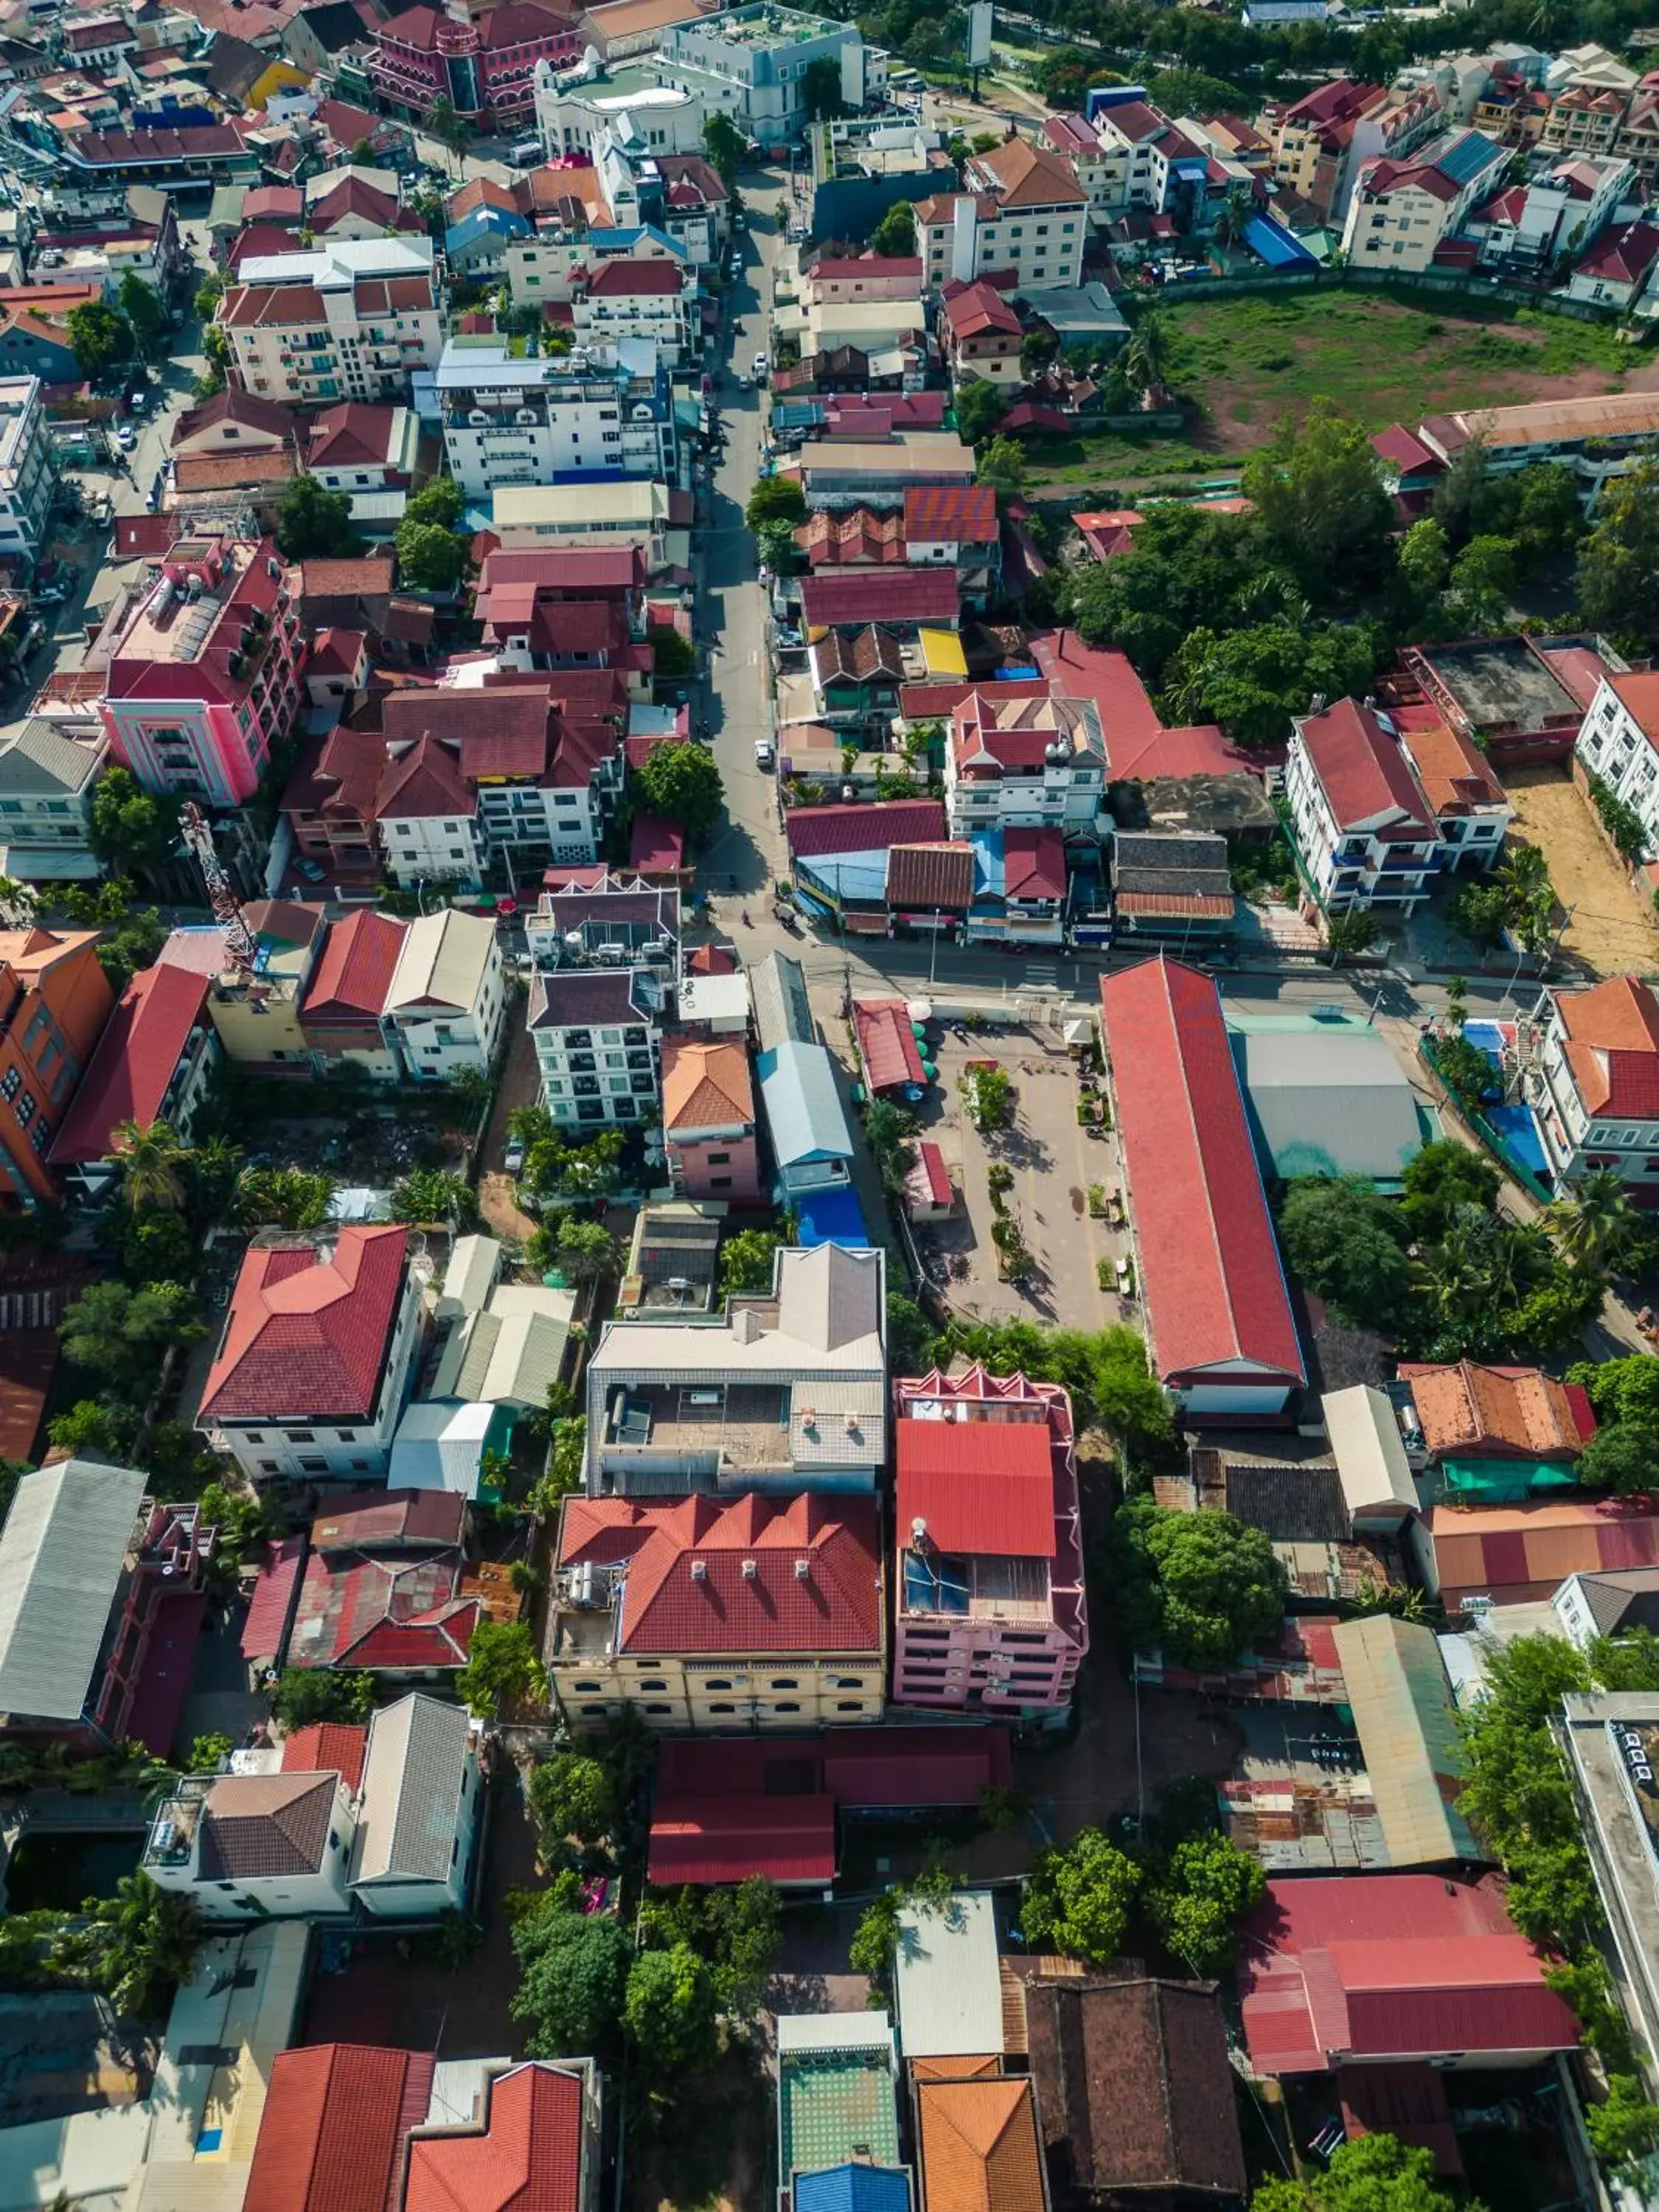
(1592, 1082)
(752, 63)
(1024, 763)
(576, 110)
(1619, 742)
(1021, 209)
(509, 421)
(418, 1812)
(255, 1846)
(1400, 211)
(47, 780)
(447, 995)
(652, 299)
(1362, 823)
(351, 319)
(598, 1045)
(1563, 211)
(27, 477)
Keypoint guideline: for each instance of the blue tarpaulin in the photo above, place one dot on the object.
(831, 1217)
(1275, 245)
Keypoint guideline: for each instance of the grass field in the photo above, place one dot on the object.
(1244, 363)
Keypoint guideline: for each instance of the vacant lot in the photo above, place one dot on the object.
(1612, 932)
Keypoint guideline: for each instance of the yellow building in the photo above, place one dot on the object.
(256, 1017)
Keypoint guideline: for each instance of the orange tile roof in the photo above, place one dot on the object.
(978, 2146)
(705, 1086)
(1452, 772)
(1470, 1405)
(1640, 696)
(1613, 1046)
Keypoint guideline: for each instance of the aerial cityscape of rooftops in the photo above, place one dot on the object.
(829, 1106)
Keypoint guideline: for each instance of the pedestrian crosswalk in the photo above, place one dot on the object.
(1043, 977)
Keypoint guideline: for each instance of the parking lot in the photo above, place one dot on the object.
(1053, 1163)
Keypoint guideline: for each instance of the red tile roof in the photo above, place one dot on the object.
(1213, 1289)
(935, 513)
(335, 2118)
(655, 847)
(835, 1605)
(354, 971)
(1075, 671)
(886, 1046)
(1624, 257)
(815, 829)
(1033, 863)
(624, 279)
(724, 1839)
(1364, 775)
(980, 1487)
(136, 1059)
(1612, 1046)
(308, 1329)
(1393, 1965)
(425, 783)
(528, 2159)
(924, 596)
(265, 1631)
(326, 1747)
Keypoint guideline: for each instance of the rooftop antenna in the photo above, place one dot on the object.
(222, 892)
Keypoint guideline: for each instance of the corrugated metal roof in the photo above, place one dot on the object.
(1328, 1102)
(61, 1555)
(1369, 1450)
(418, 1751)
(1402, 1708)
(947, 1981)
(726, 1839)
(782, 1011)
(803, 1108)
(475, 1267)
(443, 962)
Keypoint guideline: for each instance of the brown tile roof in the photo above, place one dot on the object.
(499, 732)
(1497, 1409)
(930, 875)
(871, 651)
(1452, 772)
(979, 2146)
(424, 781)
(265, 1823)
(231, 471)
(1028, 175)
(345, 580)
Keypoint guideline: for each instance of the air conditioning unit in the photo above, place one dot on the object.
(699, 1571)
(803, 1568)
(749, 1571)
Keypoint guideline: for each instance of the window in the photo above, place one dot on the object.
(256, 1436)
(24, 1108)
(786, 1682)
(722, 1709)
(848, 1706)
(659, 1710)
(301, 1435)
(785, 1705)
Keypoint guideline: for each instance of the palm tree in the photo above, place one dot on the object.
(1233, 214)
(1593, 1227)
(19, 903)
(154, 1161)
(1524, 874)
(1147, 356)
(148, 1940)
(216, 1165)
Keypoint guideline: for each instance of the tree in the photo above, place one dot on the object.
(502, 1668)
(1252, 680)
(153, 1163)
(431, 1195)
(1340, 1238)
(911, 1337)
(123, 1334)
(1621, 1390)
(673, 657)
(1594, 1223)
(1350, 933)
(302, 1696)
(88, 1428)
(1443, 1176)
(1466, 1070)
(979, 408)
(282, 1197)
(1621, 1458)
(1199, 1587)
(1515, 1792)
(1625, 2127)
(1423, 561)
(988, 1094)
(1078, 1900)
(1146, 359)
(775, 499)
(1002, 465)
(1195, 1904)
(314, 525)
(208, 1753)
(683, 784)
(570, 1795)
(209, 293)
(573, 1978)
(429, 559)
(132, 829)
(672, 2014)
(893, 237)
(1374, 2172)
(1317, 490)
(1618, 561)
(145, 315)
(440, 503)
(141, 1943)
(451, 130)
(158, 1247)
(775, 543)
(101, 337)
(1234, 213)
(888, 1131)
(746, 1260)
(724, 145)
(586, 1252)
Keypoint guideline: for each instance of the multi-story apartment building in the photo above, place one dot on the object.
(313, 1364)
(1302, 135)
(1363, 827)
(28, 478)
(1402, 212)
(1472, 809)
(152, 1063)
(47, 775)
(635, 298)
(708, 1120)
(483, 64)
(990, 1613)
(1610, 1746)
(1021, 210)
(561, 608)
(55, 1000)
(1024, 763)
(1619, 742)
(1638, 139)
(202, 669)
(1564, 210)
(575, 114)
(541, 420)
(351, 319)
(427, 815)
(1592, 1082)
(705, 1615)
(447, 996)
(607, 973)
(1098, 167)
(1586, 119)
(1144, 159)
(752, 65)
(342, 1012)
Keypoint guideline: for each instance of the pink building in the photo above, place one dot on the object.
(203, 678)
(708, 1119)
(989, 1609)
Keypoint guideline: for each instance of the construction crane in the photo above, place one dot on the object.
(239, 942)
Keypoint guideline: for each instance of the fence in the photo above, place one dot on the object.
(1431, 287)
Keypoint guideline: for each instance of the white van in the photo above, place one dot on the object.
(527, 154)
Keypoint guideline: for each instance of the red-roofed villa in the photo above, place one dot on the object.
(1594, 1085)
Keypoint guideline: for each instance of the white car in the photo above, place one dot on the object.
(760, 365)
(125, 438)
(765, 754)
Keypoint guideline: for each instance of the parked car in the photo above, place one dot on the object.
(765, 754)
(513, 1158)
(125, 438)
(761, 366)
(53, 596)
(312, 870)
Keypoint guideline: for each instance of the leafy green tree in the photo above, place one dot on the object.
(1374, 2172)
(1078, 1900)
(208, 1753)
(572, 1978)
(1466, 1071)
(1146, 359)
(1066, 73)
(979, 408)
(209, 293)
(432, 1195)
(429, 559)
(586, 1252)
(1207, 1886)
(122, 1335)
(1199, 1587)
(673, 657)
(888, 1131)
(571, 1795)
(776, 541)
(141, 1943)
(724, 145)
(1621, 1390)
(1340, 1239)
(1253, 681)
(672, 2014)
(820, 90)
(1593, 1222)
(1423, 561)
(129, 828)
(1625, 2127)
(1618, 561)
(988, 1094)
(502, 1668)
(1317, 490)
(775, 499)
(102, 338)
(1002, 465)
(440, 503)
(682, 784)
(564, 1474)
(158, 1247)
(146, 316)
(88, 1428)
(314, 525)
(303, 1695)
(893, 237)
(746, 1260)
(1515, 1792)
(1622, 1458)
(1350, 933)
(1443, 1176)
(284, 1197)
(911, 1337)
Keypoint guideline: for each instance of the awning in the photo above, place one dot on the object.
(942, 651)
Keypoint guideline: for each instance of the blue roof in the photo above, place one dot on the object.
(852, 2189)
(623, 240)
(848, 875)
(505, 222)
(833, 1217)
(1468, 157)
(803, 1107)
(1275, 245)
